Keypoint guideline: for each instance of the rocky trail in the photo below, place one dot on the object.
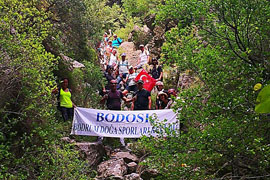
(119, 164)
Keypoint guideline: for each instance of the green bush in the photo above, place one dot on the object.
(225, 138)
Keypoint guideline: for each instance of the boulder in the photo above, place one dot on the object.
(92, 152)
(131, 52)
(113, 168)
(71, 63)
(132, 176)
(149, 173)
(126, 156)
(132, 166)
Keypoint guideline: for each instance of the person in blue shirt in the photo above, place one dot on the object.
(116, 41)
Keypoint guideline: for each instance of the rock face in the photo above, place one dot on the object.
(132, 53)
(71, 63)
(93, 152)
(114, 168)
(140, 35)
(151, 35)
(149, 21)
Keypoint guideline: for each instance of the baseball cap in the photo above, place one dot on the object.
(130, 67)
(140, 81)
(123, 54)
(141, 45)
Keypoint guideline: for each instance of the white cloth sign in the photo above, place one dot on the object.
(126, 124)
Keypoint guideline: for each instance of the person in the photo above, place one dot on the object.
(116, 41)
(109, 49)
(113, 59)
(66, 105)
(122, 67)
(130, 81)
(106, 37)
(156, 70)
(163, 100)
(113, 102)
(160, 87)
(171, 103)
(142, 99)
(109, 76)
(144, 58)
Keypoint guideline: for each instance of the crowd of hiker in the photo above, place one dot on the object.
(121, 84)
(123, 89)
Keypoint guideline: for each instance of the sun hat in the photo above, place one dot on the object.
(162, 93)
(159, 83)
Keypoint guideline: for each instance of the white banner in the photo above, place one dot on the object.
(127, 124)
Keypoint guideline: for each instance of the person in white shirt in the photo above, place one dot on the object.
(130, 81)
(113, 59)
(122, 67)
(144, 58)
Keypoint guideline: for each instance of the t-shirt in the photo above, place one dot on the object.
(142, 100)
(144, 57)
(156, 71)
(123, 66)
(65, 99)
(114, 100)
(113, 60)
(131, 79)
(116, 42)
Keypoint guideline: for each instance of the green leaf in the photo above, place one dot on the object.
(264, 101)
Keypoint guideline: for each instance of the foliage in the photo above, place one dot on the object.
(29, 146)
(262, 101)
(124, 32)
(218, 41)
(143, 7)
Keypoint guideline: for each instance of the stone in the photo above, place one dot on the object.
(149, 173)
(132, 176)
(71, 63)
(127, 156)
(68, 140)
(132, 166)
(76, 64)
(113, 168)
(92, 152)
